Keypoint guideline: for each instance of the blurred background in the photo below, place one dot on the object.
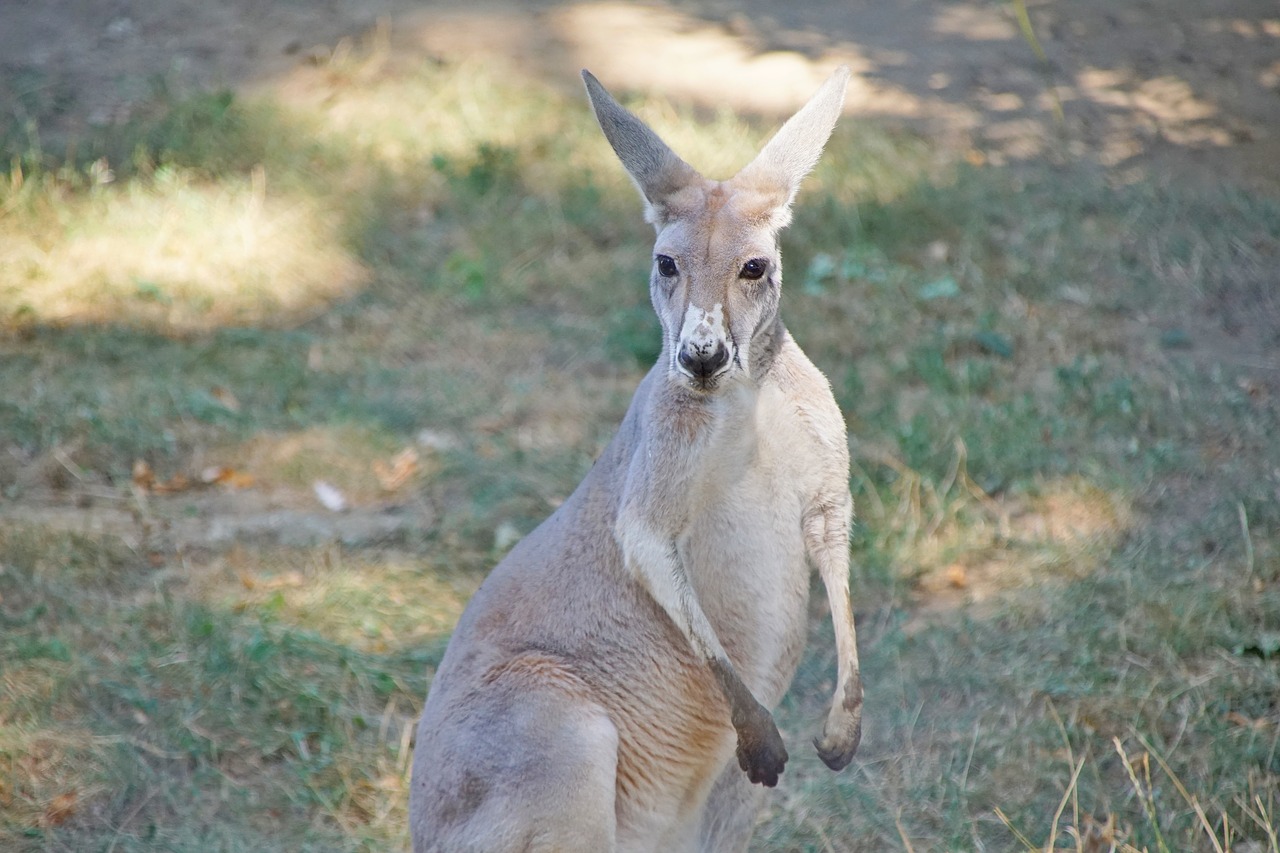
(310, 310)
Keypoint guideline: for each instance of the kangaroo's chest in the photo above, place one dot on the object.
(744, 548)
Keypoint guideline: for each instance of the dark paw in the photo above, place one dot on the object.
(761, 752)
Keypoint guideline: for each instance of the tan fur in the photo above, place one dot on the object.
(608, 687)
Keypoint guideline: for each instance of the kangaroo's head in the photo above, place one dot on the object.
(717, 273)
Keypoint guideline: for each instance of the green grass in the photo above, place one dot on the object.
(1065, 564)
(188, 721)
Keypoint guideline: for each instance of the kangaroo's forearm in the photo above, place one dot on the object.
(826, 530)
(654, 559)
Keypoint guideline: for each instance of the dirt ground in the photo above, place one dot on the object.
(1181, 87)
(1172, 91)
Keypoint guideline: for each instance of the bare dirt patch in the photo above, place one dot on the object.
(1180, 86)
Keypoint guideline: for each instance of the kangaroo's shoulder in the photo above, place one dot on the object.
(806, 395)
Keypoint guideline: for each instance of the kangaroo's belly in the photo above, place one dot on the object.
(746, 559)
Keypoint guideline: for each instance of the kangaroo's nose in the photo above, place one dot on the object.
(705, 361)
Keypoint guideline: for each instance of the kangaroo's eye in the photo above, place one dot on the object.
(666, 266)
(753, 269)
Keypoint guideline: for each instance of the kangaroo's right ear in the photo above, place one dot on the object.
(658, 173)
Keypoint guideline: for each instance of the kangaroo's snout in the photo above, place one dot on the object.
(705, 361)
(702, 351)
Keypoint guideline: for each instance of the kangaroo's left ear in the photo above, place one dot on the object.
(781, 165)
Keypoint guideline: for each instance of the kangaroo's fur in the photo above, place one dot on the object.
(608, 687)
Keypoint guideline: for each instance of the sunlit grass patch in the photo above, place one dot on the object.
(202, 211)
(967, 546)
(406, 113)
(935, 527)
(177, 254)
(393, 601)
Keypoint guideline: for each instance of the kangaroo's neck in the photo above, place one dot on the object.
(766, 343)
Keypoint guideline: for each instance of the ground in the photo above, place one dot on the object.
(1154, 86)
(309, 310)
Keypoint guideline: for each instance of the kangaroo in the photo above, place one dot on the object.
(608, 687)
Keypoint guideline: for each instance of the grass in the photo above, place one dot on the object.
(1065, 567)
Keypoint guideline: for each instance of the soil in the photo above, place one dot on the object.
(1179, 86)
(1178, 90)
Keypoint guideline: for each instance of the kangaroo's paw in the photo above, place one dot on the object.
(761, 752)
(841, 734)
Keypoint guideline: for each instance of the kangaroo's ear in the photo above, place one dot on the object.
(781, 165)
(659, 174)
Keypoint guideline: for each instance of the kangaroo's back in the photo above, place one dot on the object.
(603, 679)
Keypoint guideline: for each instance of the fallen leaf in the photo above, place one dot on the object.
(1094, 722)
(1238, 719)
(60, 809)
(1099, 837)
(143, 476)
(402, 468)
(219, 475)
(176, 483)
(434, 439)
(145, 479)
(225, 398)
(505, 536)
(238, 480)
(1252, 387)
(329, 496)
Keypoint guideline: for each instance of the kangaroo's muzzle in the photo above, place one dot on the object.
(703, 353)
(703, 362)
